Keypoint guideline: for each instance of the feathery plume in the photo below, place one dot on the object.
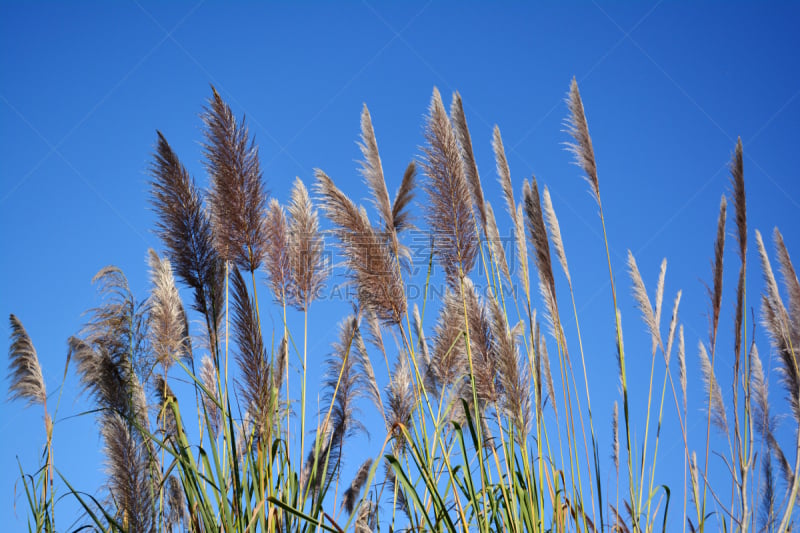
(277, 262)
(325, 448)
(468, 157)
(716, 405)
(400, 401)
(673, 323)
(185, 229)
(739, 204)
(166, 417)
(766, 510)
(237, 197)
(27, 381)
(763, 421)
(352, 492)
(772, 298)
(643, 301)
(504, 176)
(420, 333)
(538, 237)
(370, 384)
(187, 352)
(760, 386)
(128, 480)
(513, 374)
(255, 382)
(547, 375)
(245, 435)
(694, 476)
(522, 249)
(305, 249)
(484, 354)
(716, 292)
(208, 375)
(740, 208)
(366, 519)
(792, 285)
(660, 292)
(372, 267)
(555, 232)
(401, 218)
(167, 320)
(619, 524)
(582, 147)
(113, 349)
(344, 382)
(176, 504)
(279, 369)
(615, 436)
(450, 211)
(503, 172)
(778, 324)
(448, 358)
(374, 334)
(105, 380)
(372, 170)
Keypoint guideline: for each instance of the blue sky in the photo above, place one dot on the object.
(667, 88)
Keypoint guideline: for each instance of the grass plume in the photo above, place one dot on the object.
(27, 381)
(716, 406)
(582, 148)
(373, 269)
(306, 261)
(450, 210)
(237, 197)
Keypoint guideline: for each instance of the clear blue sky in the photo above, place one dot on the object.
(667, 88)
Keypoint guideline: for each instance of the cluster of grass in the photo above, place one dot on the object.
(465, 445)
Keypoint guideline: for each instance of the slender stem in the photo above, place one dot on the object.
(303, 386)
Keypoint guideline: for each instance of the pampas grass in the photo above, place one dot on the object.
(459, 121)
(344, 381)
(547, 376)
(353, 491)
(555, 232)
(716, 406)
(237, 197)
(256, 380)
(643, 300)
(373, 269)
(514, 210)
(448, 357)
(582, 148)
(372, 170)
(208, 378)
(450, 204)
(277, 262)
(126, 467)
(513, 373)
(305, 249)
(715, 293)
(184, 227)
(537, 233)
(459, 386)
(401, 217)
(27, 381)
(168, 335)
(776, 319)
